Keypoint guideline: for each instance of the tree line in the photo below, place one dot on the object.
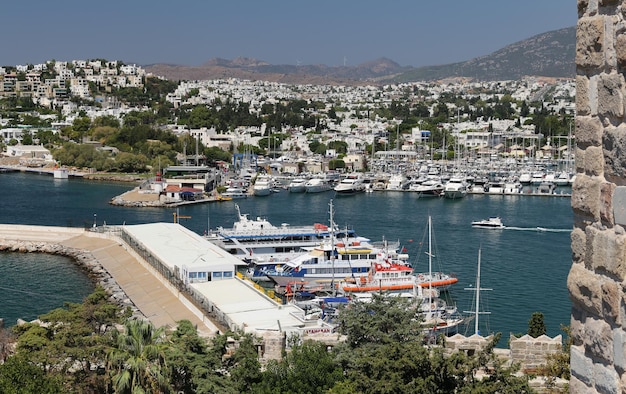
(96, 347)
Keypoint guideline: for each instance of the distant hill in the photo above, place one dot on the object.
(549, 54)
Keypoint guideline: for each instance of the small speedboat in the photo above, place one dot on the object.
(494, 222)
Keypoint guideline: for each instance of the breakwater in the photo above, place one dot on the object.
(84, 259)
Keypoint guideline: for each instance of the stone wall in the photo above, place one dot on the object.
(531, 353)
(596, 279)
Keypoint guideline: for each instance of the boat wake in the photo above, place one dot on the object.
(541, 229)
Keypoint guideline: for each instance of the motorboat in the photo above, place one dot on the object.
(397, 182)
(235, 192)
(384, 276)
(513, 187)
(317, 185)
(455, 188)
(350, 185)
(430, 188)
(263, 185)
(492, 222)
(297, 185)
(546, 188)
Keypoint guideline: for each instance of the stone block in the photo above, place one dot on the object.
(606, 379)
(584, 289)
(620, 50)
(590, 42)
(600, 344)
(588, 131)
(614, 143)
(586, 196)
(606, 252)
(611, 298)
(619, 350)
(583, 105)
(594, 161)
(610, 95)
(619, 205)
(606, 204)
(581, 366)
(578, 244)
(579, 160)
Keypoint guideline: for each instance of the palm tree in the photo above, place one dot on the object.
(137, 362)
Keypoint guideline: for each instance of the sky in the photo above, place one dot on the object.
(340, 32)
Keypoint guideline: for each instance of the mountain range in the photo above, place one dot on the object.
(548, 54)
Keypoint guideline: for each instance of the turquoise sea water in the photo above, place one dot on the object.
(525, 268)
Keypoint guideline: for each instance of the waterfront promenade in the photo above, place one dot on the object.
(155, 300)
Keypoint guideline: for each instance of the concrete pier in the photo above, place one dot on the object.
(155, 301)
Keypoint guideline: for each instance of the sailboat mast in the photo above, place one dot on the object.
(477, 295)
(430, 264)
(332, 245)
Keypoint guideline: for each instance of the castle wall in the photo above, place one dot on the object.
(596, 278)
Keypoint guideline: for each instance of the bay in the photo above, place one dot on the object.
(525, 268)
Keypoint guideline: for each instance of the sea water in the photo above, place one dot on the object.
(525, 267)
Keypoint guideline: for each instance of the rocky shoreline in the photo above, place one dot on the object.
(84, 259)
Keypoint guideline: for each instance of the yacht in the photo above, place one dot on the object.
(430, 188)
(512, 187)
(297, 185)
(350, 185)
(455, 188)
(525, 178)
(235, 192)
(317, 185)
(263, 185)
(397, 182)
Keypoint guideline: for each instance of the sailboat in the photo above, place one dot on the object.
(437, 319)
(477, 312)
(430, 278)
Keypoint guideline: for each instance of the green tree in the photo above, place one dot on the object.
(536, 325)
(136, 363)
(193, 365)
(20, 376)
(308, 368)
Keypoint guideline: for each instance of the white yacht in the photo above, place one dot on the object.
(430, 188)
(397, 182)
(235, 192)
(455, 188)
(297, 185)
(350, 185)
(317, 185)
(512, 187)
(263, 185)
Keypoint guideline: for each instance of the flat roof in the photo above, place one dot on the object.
(176, 245)
(249, 309)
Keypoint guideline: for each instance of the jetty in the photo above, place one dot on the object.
(167, 273)
(123, 271)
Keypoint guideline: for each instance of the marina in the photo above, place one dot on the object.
(516, 262)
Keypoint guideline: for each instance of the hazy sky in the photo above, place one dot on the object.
(409, 32)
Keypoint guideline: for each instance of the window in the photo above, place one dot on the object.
(217, 275)
(228, 274)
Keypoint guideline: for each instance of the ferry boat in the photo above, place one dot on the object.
(265, 248)
(337, 261)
